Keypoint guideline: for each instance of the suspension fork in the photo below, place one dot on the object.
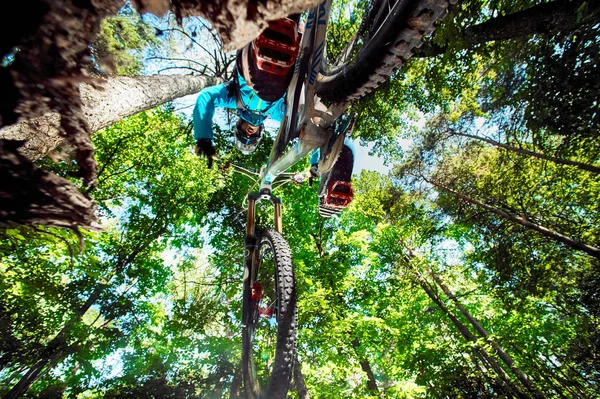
(251, 243)
(253, 199)
(249, 259)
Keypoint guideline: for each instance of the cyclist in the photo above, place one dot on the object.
(262, 74)
(263, 71)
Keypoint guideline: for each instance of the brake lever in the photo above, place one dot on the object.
(225, 165)
(301, 177)
(298, 178)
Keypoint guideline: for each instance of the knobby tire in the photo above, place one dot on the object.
(384, 52)
(286, 319)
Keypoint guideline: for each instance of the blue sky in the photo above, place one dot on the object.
(362, 160)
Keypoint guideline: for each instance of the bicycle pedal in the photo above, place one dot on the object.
(265, 313)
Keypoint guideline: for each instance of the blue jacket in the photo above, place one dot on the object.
(219, 96)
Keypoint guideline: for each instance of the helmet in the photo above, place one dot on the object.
(247, 144)
(276, 48)
(255, 118)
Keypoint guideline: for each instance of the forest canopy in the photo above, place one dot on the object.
(470, 270)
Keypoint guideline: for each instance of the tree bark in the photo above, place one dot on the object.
(523, 151)
(544, 18)
(366, 367)
(105, 102)
(30, 195)
(502, 354)
(523, 221)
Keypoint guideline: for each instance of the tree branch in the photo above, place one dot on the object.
(545, 18)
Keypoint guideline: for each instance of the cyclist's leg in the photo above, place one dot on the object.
(335, 189)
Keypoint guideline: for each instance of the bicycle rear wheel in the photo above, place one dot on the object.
(269, 318)
(384, 40)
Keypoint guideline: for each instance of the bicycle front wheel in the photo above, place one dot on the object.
(367, 45)
(269, 319)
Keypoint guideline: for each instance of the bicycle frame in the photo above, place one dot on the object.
(305, 120)
(309, 122)
(312, 124)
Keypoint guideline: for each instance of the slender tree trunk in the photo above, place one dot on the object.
(544, 18)
(299, 381)
(481, 368)
(58, 348)
(523, 221)
(236, 384)
(523, 151)
(505, 357)
(366, 367)
(7, 382)
(558, 382)
(570, 382)
(55, 350)
(464, 331)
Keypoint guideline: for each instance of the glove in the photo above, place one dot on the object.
(205, 147)
(313, 174)
(314, 170)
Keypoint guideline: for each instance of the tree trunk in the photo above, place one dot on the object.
(523, 151)
(366, 367)
(544, 18)
(505, 357)
(7, 381)
(555, 376)
(58, 348)
(30, 195)
(105, 102)
(464, 331)
(236, 385)
(55, 350)
(299, 381)
(523, 221)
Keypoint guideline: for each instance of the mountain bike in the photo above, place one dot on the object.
(318, 117)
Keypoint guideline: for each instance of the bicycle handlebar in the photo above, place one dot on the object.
(296, 177)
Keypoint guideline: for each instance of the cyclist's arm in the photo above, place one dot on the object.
(314, 158)
(277, 111)
(208, 100)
